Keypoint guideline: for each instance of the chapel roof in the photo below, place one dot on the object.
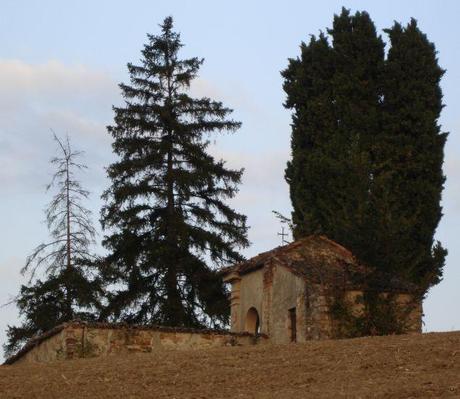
(322, 261)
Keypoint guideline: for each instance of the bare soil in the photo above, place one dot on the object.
(411, 366)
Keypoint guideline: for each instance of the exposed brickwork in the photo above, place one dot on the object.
(78, 339)
(301, 278)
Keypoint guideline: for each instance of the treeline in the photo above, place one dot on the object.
(367, 149)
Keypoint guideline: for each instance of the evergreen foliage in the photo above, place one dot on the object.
(358, 55)
(335, 92)
(167, 221)
(68, 288)
(367, 152)
(408, 173)
(307, 82)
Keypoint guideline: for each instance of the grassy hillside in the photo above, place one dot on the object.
(416, 366)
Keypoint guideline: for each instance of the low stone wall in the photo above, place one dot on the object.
(78, 340)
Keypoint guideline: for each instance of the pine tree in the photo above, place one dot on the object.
(63, 284)
(168, 224)
(408, 176)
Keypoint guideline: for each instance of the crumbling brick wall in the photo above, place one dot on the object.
(77, 340)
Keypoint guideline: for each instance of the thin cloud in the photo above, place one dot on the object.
(71, 99)
(232, 94)
(52, 78)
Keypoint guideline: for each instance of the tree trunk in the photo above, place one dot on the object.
(68, 241)
(174, 306)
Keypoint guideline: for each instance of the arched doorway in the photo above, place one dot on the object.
(252, 323)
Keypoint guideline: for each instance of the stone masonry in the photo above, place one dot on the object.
(78, 339)
(286, 293)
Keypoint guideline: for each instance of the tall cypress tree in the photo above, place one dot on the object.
(307, 81)
(367, 169)
(358, 59)
(408, 169)
(165, 208)
(334, 127)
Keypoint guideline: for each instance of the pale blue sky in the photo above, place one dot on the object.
(60, 63)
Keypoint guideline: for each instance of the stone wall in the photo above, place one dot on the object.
(414, 318)
(409, 311)
(77, 340)
(318, 321)
(288, 293)
(47, 350)
(251, 296)
(274, 289)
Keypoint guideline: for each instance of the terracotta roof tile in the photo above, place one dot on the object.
(321, 260)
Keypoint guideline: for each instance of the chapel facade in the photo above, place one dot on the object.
(288, 293)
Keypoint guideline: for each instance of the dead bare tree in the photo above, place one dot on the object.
(63, 280)
(69, 222)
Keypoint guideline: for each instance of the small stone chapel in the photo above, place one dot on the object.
(285, 293)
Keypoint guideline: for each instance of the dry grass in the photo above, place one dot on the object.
(415, 366)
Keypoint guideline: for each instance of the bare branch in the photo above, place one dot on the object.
(68, 221)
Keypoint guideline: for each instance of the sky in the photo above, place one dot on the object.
(60, 63)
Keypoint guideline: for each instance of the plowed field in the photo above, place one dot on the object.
(415, 366)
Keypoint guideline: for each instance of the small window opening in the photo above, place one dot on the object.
(293, 324)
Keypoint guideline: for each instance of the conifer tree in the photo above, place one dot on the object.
(63, 283)
(307, 83)
(167, 221)
(358, 58)
(410, 151)
(335, 94)
(366, 169)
